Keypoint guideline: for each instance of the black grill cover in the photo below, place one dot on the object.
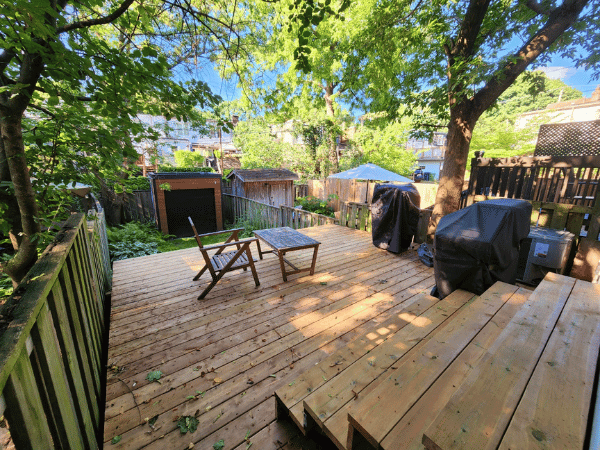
(395, 216)
(479, 245)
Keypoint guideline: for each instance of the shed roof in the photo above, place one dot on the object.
(263, 175)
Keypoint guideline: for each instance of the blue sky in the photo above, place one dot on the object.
(560, 68)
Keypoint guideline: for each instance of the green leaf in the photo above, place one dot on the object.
(115, 440)
(154, 376)
(187, 423)
(219, 445)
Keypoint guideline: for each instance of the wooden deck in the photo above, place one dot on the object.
(222, 358)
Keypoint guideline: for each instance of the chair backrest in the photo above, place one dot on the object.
(198, 240)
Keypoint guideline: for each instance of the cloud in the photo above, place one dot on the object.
(558, 72)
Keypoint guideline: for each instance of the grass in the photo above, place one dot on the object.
(181, 243)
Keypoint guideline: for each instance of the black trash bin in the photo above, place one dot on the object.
(395, 216)
(479, 245)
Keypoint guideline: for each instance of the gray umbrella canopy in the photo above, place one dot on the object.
(370, 171)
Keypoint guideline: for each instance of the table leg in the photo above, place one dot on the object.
(314, 260)
(259, 250)
(282, 264)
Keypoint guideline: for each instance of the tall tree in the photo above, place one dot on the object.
(297, 63)
(457, 58)
(474, 87)
(500, 133)
(81, 71)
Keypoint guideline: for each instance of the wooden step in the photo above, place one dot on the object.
(289, 399)
(388, 396)
(478, 413)
(555, 406)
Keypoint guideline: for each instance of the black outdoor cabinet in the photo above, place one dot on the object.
(395, 216)
(479, 245)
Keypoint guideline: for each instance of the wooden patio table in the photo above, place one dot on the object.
(284, 240)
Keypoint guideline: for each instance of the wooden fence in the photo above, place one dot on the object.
(51, 335)
(550, 179)
(353, 215)
(353, 191)
(563, 192)
(138, 206)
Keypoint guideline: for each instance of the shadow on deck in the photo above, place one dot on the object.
(222, 358)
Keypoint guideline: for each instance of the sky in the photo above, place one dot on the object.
(559, 68)
(580, 79)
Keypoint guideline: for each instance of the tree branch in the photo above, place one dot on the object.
(538, 8)
(558, 22)
(42, 109)
(99, 21)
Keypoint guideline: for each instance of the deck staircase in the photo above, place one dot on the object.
(511, 368)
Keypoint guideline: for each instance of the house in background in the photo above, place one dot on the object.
(177, 135)
(430, 155)
(274, 187)
(578, 110)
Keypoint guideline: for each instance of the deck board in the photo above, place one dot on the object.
(241, 343)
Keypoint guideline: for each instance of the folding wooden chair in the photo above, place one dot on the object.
(222, 262)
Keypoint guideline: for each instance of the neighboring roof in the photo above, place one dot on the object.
(263, 175)
(231, 162)
(370, 171)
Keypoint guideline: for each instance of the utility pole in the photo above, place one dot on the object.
(221, 147)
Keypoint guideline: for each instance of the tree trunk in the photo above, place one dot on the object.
(460, 131)
(333, 159)
(14, 151)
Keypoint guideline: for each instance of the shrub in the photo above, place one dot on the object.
(6, 287)
(185, 169)
(315, 205)
(248, 224)
(133, 239)
(136, 184)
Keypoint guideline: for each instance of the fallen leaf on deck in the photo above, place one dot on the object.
(219, 445)
(187, 423)
(218, 417)
(154, 376)
(115, 440)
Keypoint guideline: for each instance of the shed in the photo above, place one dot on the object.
(271, 186)
(177, 195)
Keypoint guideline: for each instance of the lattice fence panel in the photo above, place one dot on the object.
(569, 139)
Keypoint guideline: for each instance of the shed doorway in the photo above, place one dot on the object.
(199, 204)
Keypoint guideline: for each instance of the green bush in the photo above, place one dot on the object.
(248, 224)
(184, 169)
(185, 158)
(315, 205)
(136, 184)
(133, 239)
(6, 287)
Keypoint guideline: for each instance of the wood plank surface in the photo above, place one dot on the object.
(375, 414)
(242, 343)
(408, 432)
(553, 412)
(337, 395)
(295, 392)
(477, 416)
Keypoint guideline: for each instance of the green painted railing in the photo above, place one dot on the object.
(51, 340)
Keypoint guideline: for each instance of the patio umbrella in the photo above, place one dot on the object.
(370, 171)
